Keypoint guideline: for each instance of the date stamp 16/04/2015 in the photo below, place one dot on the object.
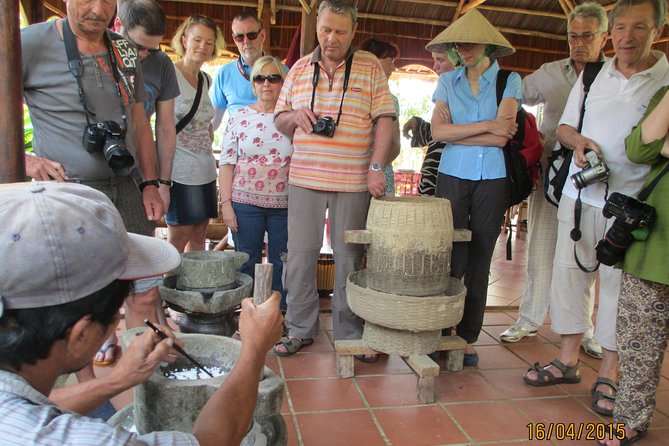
(576, 431)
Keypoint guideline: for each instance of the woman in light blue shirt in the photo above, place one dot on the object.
(472, 174)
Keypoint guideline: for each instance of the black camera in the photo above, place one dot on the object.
(108, 137)
(633, 221)
(597, 171)
(325, 126)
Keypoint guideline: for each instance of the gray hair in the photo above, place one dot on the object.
(659, 7)
(340, 7)
(591, 10)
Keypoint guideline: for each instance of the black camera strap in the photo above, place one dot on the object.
(314, 83)
(645, 192)
(589, 74)
(77, 69)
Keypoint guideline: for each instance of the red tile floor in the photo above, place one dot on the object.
(487, 404)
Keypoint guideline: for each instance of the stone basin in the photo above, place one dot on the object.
(209, 270)
(163, 403)
(214, 302)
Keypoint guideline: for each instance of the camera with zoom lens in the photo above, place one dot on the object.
(596, 172)
(633, 221)
(325, 126)
(108, 137)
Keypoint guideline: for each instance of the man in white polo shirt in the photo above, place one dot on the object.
(616, 102)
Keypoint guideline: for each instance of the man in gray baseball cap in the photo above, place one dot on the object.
(67, 264)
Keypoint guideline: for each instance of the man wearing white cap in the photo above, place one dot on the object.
(67, 265)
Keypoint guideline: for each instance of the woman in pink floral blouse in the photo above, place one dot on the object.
(253, 174)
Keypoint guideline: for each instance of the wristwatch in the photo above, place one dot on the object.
(375, 167)
(148, 183)
(167, 183)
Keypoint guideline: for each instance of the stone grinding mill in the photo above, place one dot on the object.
(406, 295)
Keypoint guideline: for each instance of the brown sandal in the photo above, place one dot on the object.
(292, 345)
(545, 378)
(598, 395)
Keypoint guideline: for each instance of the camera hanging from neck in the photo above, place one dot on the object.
(77, 69)
(347, 75)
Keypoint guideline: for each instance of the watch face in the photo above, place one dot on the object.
(375, 167)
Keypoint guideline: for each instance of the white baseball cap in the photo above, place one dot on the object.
(60, 242)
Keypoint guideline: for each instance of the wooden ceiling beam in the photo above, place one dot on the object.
(565, 8)
(570, 5)
(555, 15)
(458, 9)
(471, 5)
(445, 4)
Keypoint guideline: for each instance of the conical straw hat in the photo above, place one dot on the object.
(471, 28)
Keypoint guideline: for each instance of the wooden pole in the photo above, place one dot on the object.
(262, 283)
(12, 162)
(308, 32)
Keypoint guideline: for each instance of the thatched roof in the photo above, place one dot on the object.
(536, 28)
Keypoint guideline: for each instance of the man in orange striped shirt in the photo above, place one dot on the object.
(342, 126)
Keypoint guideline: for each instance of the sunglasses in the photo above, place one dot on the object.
(271, 78)
(142, 47)
(251, 36)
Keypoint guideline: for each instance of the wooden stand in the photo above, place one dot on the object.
(422, 365)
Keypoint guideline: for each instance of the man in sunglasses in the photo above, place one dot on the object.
(232, 87)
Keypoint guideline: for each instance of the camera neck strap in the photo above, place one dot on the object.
(645, 192)
(314, 83)
(77, 69)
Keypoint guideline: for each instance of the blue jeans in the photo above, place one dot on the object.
(252, 222)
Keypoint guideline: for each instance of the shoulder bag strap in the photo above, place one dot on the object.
(186, 119)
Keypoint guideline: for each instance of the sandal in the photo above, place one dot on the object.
(570, 375)
(598, 395)
(292, 345)
(107, 354)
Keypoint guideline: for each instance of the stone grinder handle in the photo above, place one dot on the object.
(262, 283)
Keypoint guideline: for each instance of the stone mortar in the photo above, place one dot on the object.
(163, 403)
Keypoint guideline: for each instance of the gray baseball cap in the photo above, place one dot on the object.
(60, 242)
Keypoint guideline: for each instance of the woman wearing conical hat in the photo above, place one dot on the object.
(472, 174)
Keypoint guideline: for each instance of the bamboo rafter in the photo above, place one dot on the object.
(458, 9)
(564, 7)
(555, 15)
(473, 4)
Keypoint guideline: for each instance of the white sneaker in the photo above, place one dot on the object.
(516, 332)
(591, 347)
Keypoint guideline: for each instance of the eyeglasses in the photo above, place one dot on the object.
(271, 78)
(585, 37)
(251, 36)
(142, 47)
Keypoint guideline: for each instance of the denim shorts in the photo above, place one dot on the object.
(192, 204)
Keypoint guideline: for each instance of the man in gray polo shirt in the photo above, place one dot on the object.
(112, 88)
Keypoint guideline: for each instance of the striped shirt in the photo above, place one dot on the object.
(29, 418)
(338, 164)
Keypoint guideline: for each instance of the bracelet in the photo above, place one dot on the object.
(148, 183)
(168, 183)
(226, 201)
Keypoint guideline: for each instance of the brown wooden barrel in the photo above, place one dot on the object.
(410, 249)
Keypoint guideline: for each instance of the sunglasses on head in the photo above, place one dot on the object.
(251, 36)
(271, 78)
